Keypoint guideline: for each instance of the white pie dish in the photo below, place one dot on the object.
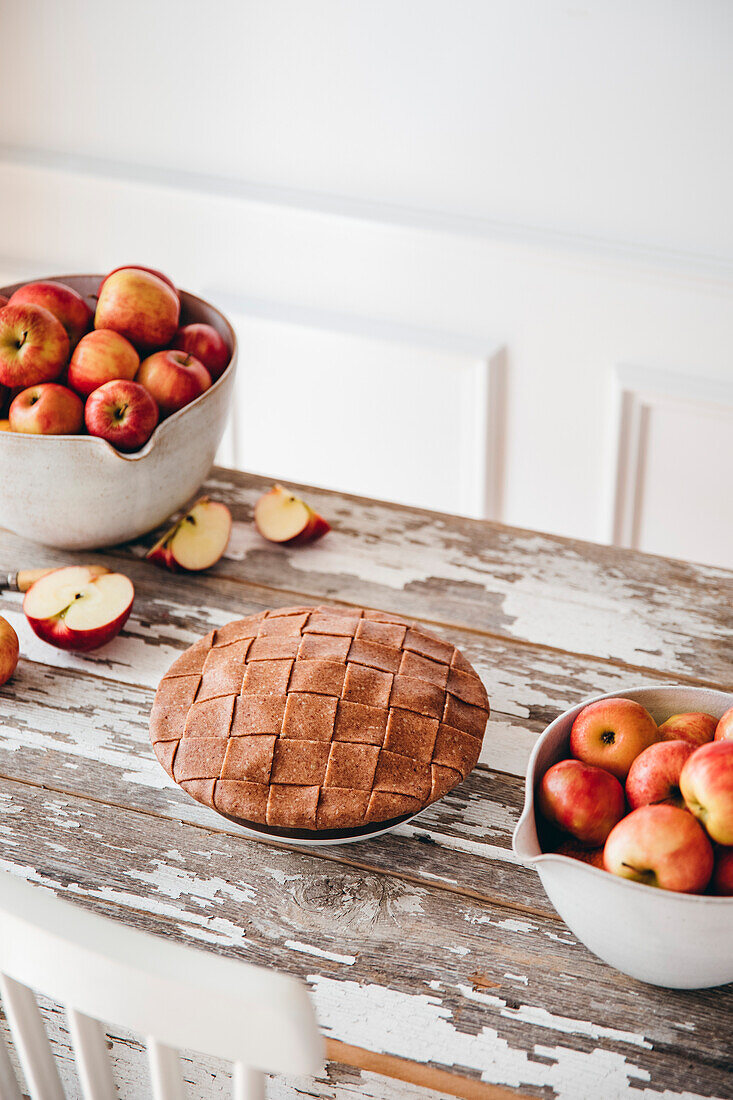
(681, 941)
(76, 492)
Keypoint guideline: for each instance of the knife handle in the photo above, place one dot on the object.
(24, 578)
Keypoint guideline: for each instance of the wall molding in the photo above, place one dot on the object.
(661, 261)
(482, 462)
(638, 392)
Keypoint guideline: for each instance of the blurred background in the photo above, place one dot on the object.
(479, 253)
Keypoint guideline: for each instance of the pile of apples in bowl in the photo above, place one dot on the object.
(114, 395)
(628, 820)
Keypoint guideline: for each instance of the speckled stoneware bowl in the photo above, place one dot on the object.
(681, 941)
(78, 492)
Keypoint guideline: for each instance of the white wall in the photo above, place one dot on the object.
(459, 193)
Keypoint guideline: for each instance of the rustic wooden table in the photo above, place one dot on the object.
(434, 960)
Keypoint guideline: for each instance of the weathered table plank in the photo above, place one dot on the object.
(589, 599)
(516, 1002)
(594, 601)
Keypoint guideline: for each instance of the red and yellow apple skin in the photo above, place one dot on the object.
(123, 413)
(34, 346)
(101, 356)
(654, 776)
(661, 846)
(706, 783)
(724, 728)
(282, 517)
(611, 733)
(9, 650)
(77, 608)
(206, 344)
(139, 267)
(696, 728)
(575, 850)
(66, 304)
(47, 409)
(582, 800)
(140, 306)
(173, 379)
(722, 881)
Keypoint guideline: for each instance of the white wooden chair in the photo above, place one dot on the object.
(175, 996)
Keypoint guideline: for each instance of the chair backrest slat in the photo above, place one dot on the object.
(249, 1084)
(92, 1059)
(9, 1089)
(31, 1041)
(165, 1071)
(181, 998)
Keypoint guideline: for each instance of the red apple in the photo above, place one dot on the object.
(121, 412)
(655, 774)
(173, 379)
(722, 883)
(611, 733)
(140, 306)
(139, 267)
(76, 608)
(209, 347)
(34, 346)
(660, 846)
(48, 409)
(282, 517)
(575, 850)
(9, 650)
(724, 728)
(707, 788)
(696, 728)
(197, 540)
(99, 357)
(582, 800)
(66, 304)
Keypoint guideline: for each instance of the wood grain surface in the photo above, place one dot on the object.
(433, 958)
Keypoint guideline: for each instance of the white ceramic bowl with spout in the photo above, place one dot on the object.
(681, 941)
(76, 492)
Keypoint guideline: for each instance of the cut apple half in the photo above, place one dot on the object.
(78, 608)
(197, 540)
(282, 517)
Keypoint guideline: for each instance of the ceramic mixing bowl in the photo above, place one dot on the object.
(77, 492)
(682, 941)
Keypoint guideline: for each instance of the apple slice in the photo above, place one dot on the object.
(196, 541)
(77, 608)
(282, 517)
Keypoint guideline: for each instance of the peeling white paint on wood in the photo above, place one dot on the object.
(425, 1026)
(541, 1018)
(309, 949)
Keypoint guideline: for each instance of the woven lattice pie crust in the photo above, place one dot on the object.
(319, 718)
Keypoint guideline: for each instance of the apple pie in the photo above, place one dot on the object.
(319, 719)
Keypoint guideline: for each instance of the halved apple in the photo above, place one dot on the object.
(196, 541)
(282, 517)
(77, 608)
